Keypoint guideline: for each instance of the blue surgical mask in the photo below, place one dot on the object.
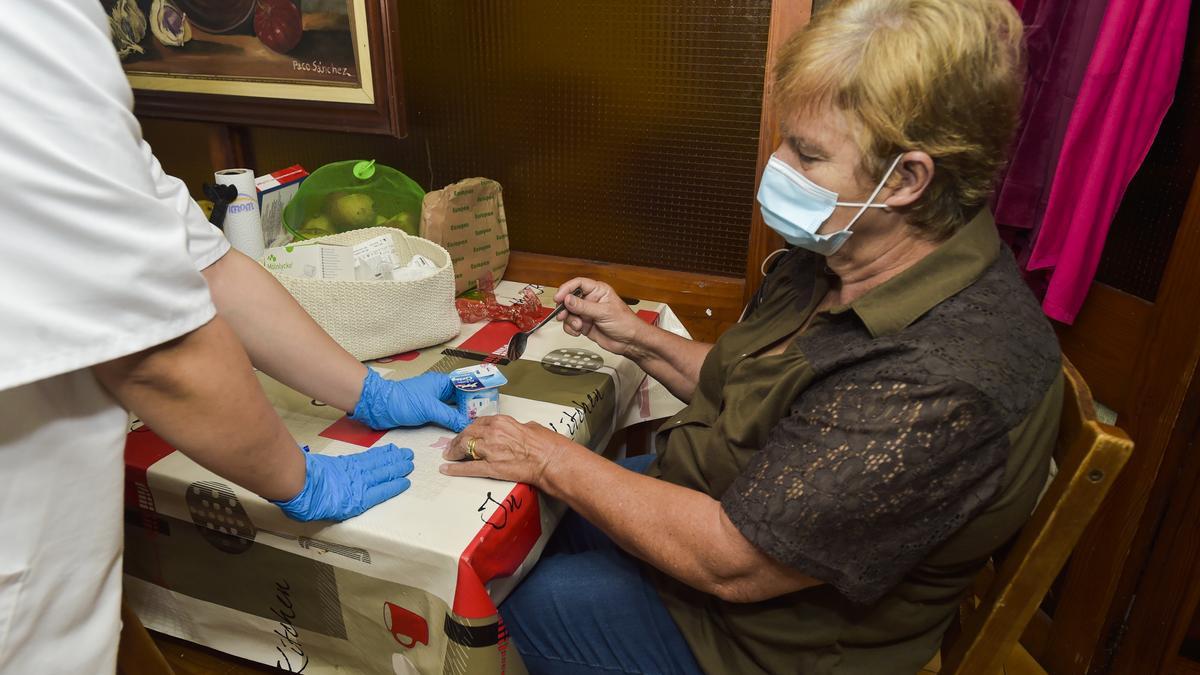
(796, 207)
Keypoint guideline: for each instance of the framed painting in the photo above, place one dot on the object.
(316, 64)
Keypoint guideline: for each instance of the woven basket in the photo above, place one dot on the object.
(373, 319)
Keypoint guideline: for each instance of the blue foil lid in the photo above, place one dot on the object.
(478, 378)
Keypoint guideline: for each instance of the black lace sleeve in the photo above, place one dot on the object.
(867, 476)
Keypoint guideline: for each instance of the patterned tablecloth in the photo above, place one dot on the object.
(412, 585)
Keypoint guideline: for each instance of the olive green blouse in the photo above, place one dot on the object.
(886, 452)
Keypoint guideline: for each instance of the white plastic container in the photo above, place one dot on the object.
(478, 389)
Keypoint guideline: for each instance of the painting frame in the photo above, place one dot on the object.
(375, 107)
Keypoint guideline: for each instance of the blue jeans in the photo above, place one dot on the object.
(588, 608)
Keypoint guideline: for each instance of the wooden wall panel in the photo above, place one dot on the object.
(1168, 591)
(621, 130)
(787, 17)
(1129, 593)
(1106, 335)
(1160, 413)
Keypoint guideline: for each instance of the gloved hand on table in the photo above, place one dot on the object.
(384, 404)
(341, 487)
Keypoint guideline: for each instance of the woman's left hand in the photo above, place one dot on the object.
(504, 448)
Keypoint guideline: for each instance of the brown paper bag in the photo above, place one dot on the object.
(467, 219)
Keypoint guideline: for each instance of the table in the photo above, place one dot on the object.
(412, 585)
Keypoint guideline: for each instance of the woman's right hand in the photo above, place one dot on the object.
(600, 314)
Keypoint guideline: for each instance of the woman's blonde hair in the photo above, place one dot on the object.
(941, 76)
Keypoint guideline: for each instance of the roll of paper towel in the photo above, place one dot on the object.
(243, 224)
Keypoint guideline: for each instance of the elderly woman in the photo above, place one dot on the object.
(879, 422)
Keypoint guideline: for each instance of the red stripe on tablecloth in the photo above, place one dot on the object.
(502, 544)
(347, 430)
(643, 392)
(643, 398)
(494, 335)
(143, 448)
(406, 356)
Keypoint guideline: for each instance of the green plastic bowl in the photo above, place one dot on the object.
(351, 195)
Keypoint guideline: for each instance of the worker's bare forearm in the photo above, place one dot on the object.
(199, 393)
(280, 337)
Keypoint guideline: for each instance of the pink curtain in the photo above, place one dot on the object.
(1060, 36)
(1127, 88)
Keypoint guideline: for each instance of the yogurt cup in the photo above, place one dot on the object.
(478, 389)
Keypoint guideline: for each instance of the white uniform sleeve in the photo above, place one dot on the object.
(95, 261)
(206, 244)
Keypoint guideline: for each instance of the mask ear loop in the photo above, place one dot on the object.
(754, 301)
(763, 268)
(878, 188)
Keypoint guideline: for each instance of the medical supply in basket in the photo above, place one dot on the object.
(375, 317)
(275, 190)
(370, 260)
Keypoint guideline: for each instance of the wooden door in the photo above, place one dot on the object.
(1137, 342)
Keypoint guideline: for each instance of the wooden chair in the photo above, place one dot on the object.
(141, 653)
(137, 654)
(1089, 455)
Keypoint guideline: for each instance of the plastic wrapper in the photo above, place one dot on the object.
(525, 312)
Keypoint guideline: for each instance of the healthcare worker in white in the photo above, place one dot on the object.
(115, 295)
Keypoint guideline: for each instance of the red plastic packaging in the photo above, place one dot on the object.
(525, 312)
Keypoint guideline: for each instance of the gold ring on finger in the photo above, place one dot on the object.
(471, 448)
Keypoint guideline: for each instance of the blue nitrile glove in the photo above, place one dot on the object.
(384, 404)
(341, 487)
